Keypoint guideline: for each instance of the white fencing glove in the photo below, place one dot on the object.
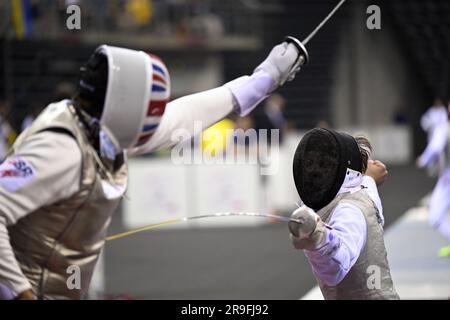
(308, 230)
(281, 65)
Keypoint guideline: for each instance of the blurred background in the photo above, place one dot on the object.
(372, 82)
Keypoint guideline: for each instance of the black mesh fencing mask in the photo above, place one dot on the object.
(320, 165)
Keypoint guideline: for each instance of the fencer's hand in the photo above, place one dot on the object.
(303, 222)
(26, 295)
(377, 170)
(281, 64)
(307, 231)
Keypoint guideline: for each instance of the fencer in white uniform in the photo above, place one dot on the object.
(66, 174)
(437, 155)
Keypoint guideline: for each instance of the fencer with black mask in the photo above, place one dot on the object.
(340, 224)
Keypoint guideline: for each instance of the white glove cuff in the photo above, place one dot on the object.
(249, 91)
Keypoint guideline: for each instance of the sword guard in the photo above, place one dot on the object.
(294, 227)
(302, 52)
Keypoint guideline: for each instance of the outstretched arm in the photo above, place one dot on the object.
(196, 112)
(332, 250)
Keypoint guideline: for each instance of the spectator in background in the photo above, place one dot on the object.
(244, 124)
(245, 140)
(434, 115)
(430, 121)
(324, 124)
(437, 154)
(7, 133)
(400, 115)
(141, 11)
(273, 117)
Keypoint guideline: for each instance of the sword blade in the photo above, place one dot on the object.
(185, 219)
(328, 17)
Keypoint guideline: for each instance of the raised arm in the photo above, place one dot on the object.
(197, 112)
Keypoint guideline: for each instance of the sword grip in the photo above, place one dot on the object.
(303, 56)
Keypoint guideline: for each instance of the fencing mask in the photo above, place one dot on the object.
(320, 165)
(130, 90)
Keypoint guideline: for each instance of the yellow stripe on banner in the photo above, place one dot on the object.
(131, 232)
(18, 18)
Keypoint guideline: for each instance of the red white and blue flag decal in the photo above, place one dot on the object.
(160, 92)
(15, 173)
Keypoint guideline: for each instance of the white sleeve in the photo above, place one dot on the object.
(190, 115)
(342, 245)
(44, 170)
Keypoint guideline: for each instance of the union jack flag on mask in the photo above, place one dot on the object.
(160, 93)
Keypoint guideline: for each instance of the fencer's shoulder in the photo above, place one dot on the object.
(369, 204)
(55, 127)
(347, 208)
(55, 107)
(43, 160)
(56, 110)
(51, 145)
(360, 199)
(348, 215)
(60, 104)
(52, 139)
